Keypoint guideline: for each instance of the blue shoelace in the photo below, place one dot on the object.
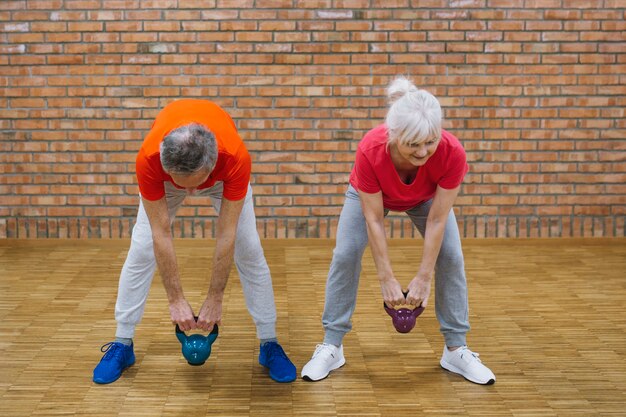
(274, 349)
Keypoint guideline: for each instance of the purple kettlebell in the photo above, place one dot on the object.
(403, 318)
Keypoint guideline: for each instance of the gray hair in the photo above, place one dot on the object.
(188, 149)
(414, 115)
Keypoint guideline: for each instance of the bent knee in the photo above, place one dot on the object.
(451, 259)
(248, 249)
(345, 257)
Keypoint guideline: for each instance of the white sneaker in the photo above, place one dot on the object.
(326, 358)
(466, 363)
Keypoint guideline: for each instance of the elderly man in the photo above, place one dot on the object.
(193, 148)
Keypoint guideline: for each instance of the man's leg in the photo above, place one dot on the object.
(135, 278)
(139, 268)
(254, 272)
(256, 283)
(134, 285)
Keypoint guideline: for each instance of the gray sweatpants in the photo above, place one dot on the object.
(451, 305)
(140, 265)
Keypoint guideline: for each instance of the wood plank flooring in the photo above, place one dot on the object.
(548, 317)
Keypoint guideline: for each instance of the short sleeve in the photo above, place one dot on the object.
(238, 178)
(365, 174)
(456, 168)
(150, 182)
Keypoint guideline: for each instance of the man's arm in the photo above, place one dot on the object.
(211, 311)
(419, 288)
(374, 213)
(180, 310)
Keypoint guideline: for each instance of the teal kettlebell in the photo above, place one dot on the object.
(196, 347)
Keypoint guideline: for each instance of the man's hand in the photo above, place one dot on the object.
(392, 292)
(210, 313)
(419, 290)
(182, 314)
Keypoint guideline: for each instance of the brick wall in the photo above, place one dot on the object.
(535, 89)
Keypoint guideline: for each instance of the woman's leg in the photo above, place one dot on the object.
(343, 277)
(451, 304)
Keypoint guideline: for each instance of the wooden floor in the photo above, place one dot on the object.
(548, 317)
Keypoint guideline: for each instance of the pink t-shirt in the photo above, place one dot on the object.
(374, 170)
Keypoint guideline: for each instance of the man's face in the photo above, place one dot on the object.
(191, 181)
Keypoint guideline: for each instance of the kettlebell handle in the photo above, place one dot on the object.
(406, 294)
(179, 331)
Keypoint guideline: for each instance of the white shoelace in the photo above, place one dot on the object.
(465, 351)
(325, 351)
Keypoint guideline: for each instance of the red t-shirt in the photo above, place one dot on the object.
(374, 170)
(233, 164)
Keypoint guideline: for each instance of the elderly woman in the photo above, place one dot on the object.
(408, 164)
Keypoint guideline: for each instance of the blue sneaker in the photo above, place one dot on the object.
(273, 356)
(117, 357)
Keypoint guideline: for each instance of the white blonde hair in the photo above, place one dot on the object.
(414, 115)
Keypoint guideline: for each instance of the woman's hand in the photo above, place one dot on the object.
(419, 290)
(392, 292)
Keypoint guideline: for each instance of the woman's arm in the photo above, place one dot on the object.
(419, 288)
(374, 212)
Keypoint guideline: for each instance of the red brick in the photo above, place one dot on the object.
(534, 92)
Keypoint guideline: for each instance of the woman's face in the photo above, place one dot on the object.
(418, 154)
